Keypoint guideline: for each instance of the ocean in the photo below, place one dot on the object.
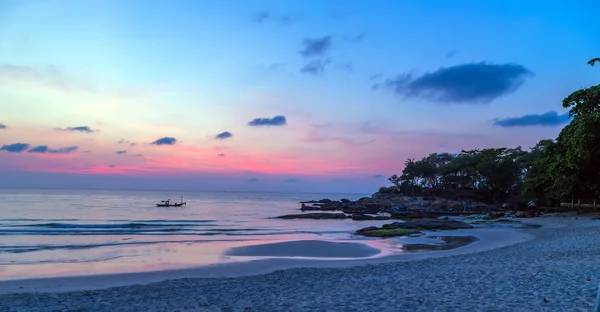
(51, 233)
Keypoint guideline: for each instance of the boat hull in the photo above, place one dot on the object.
(170, 205)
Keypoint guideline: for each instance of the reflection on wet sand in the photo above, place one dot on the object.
(449, 242)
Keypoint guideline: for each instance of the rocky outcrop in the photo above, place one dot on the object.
(314, 216)
(364, 217)
(428, 203)
(409, 215)
(412, 227)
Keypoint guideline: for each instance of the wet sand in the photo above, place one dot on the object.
(306, 248)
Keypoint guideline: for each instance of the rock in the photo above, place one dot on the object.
(325, 201)
(345, 200)
(408, 215)
(380, 232)
(412, 227)
(364, 217)
(494, 215)
(521, 214)
(499, 221)
(314, 216)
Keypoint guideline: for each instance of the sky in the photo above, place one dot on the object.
(248, 95)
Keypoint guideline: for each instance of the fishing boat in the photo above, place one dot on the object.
(167, 203)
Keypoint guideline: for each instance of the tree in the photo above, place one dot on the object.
(575, 167)
(593, 61)
(552, 169)
(537, 181)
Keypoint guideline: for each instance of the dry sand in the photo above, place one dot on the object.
(558, 270)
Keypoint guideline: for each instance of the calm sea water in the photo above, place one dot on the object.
(73, 232)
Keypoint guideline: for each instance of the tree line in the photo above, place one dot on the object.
(553, 169)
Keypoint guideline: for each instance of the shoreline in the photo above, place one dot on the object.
(554, 271)
(487, 239)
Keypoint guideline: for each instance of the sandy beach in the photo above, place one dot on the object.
(553, 268)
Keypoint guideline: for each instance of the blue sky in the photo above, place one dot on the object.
(362, 85)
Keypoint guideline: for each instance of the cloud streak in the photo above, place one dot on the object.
(82, 129)
(275, 121)
(15, 147)
(123, 141)
(223, 135)
(121, 152)
(165, 141)
(315, 67)
(474, 83)
(44, 149)
(549, 119)
(3, 126)
(266, 16)
(316, 47)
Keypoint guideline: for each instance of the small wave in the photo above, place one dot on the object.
(130, 225)
(34, 248)
(132, 230)
(33, 220)
(22, 262)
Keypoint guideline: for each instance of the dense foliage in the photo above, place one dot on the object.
(568, 166)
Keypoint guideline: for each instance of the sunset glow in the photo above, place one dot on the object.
(313, 96)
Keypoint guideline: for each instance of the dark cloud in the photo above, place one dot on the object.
(111, 166)
(476, 83)
(548, 119)
(122, 141)
(252, 180)
(165, 141)
(3, 126)
(221, 155)
(86, 152)
(43, 149)
(316, 67)
(121, 152)
(84, 129)
(267, 16)
(315, 47)
(223, 135)
(378, 176)
(15, 147)
(137, 155)
(292, 180)
(275, 121)
(451, 54)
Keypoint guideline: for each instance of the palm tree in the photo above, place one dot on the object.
(593, 61)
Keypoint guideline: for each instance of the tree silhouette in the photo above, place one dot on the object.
(593, 61)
